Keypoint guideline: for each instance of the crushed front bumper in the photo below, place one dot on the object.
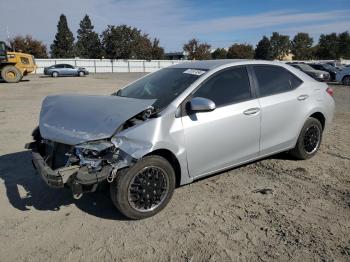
(71, 175)
(54, 178)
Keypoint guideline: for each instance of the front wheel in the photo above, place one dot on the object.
(55, 74)
(309, 140)
(11, 74)
(144, 189)
(346, 80)
(81, 73)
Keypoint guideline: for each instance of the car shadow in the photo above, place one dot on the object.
(23, 80)
(26, 190)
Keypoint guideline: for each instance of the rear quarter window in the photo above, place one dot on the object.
(275, 79)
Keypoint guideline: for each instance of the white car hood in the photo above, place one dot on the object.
(74, 119)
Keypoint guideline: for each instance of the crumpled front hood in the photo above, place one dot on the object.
(74, 119)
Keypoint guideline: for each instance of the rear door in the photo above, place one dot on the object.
(228, 135)
(283, 102)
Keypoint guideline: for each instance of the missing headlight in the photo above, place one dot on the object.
(95, 148)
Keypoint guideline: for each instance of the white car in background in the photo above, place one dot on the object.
(344, 76)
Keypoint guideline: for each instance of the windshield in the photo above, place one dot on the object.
(164, 85)
(305, 67)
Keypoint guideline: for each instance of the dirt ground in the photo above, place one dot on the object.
(302, 215)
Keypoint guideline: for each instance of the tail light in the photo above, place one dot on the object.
(330, 91)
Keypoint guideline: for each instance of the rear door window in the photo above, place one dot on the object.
(275, 79)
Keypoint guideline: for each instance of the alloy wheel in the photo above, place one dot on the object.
(312, 139)
(148, 189)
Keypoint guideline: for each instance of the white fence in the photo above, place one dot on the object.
(120, 66)
(108, 66)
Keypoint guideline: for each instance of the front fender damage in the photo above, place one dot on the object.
(94, 162)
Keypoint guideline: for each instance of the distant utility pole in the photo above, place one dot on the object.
(8, 34)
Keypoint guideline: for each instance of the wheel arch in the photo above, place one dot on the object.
(343, 77)
(320, 117)
(172, 159)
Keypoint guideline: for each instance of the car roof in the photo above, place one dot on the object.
(208, 64)
(213, 64)
(62, 64)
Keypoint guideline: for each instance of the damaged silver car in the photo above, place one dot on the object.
(176, 125)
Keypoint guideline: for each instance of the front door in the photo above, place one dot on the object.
(69, 70)
(228, 135)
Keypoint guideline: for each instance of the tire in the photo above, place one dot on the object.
(54, 74)
(138, 179)
(346, 80)
(11, 74)
(81, 73)
(309, 140)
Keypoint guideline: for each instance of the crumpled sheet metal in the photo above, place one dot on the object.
(75, 119)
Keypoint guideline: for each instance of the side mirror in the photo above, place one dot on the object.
(201, 104)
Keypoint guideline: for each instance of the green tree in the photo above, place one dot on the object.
(63, 45)
(29, 45)
(280, 45)
(219, 53)
(125, 42)
(328, 47)
(263, 49)
(344, 45)
(157, 51)
(142, 47)
(301, 46)
(197, 50)
(88, 43)
(240, 51)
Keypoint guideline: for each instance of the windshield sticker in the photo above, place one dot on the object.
(194, 72)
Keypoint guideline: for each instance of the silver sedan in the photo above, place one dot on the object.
(65, 70)
(177, 125)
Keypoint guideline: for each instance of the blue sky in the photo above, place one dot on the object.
(219, 23)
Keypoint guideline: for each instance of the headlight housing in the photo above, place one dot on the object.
(94, 148)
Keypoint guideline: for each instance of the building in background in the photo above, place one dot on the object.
(176, 56)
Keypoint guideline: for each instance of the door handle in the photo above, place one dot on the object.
(303, 97)
(251, 111)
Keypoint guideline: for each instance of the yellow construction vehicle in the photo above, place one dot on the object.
(14, 65)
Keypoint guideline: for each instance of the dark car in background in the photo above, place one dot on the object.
(328, 68)
(319, 75)
(65, 70)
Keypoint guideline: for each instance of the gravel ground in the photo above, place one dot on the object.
(276, 209)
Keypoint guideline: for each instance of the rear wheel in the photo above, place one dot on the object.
(54, 74)
(11, 74)
(144, 189)
(346, 80)
(309, 140)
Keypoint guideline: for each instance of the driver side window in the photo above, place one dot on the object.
(227, 87)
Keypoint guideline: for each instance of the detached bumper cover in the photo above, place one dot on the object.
(53, 178)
